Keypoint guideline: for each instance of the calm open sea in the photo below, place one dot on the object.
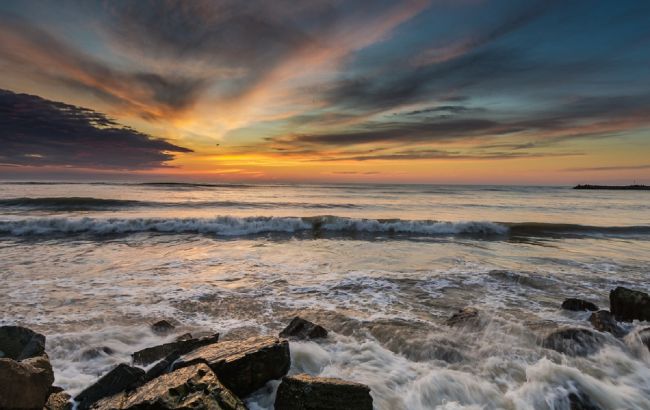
(382, 267)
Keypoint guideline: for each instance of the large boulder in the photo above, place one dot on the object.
(304, 392)
(192, 387)
(18, 343)
(120, 378)
(243, 366)
(628, 305)
(574, 341)
(578, 305)
(300, 328)
(603, 321)
(25, 384)
(26, 375)
(151, 354)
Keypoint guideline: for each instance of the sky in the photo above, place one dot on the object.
(447, 91)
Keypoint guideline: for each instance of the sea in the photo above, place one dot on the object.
(382, 267)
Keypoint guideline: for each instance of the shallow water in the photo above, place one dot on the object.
(382, 267)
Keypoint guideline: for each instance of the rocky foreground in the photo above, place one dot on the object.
(205, 373)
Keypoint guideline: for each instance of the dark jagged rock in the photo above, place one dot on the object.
(94, 352)
(19, 343)
(574, 341)
(58, 400)
(152, 354)
(162, 367)
(162, 327)
(193, 387)
(628, 305)
(644, 335)
(300, 328)
(25, 384)
(243, 366)
(122, 377)
(467, 316)
(581, 402)
(184, 336)
(603, 321)
(304, 392)
(578, 305)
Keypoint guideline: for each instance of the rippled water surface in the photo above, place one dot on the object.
(382, 267)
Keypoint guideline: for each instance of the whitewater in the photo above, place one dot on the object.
(383, 267)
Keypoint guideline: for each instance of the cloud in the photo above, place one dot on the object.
(611, 168)
(39, 132)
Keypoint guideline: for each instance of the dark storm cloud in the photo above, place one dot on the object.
(39, 132)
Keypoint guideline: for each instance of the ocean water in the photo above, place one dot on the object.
(381, 266)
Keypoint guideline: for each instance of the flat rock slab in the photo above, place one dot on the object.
(243, 365)
(628, 305)
(574, 341)
(578, 305)
(304, 392)
(122, 377)
(19, 343)
(192, 387)
(25, 384)
(151, 354)
(300, 328)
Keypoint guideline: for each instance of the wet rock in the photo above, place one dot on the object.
(574, 341)
(300, 328)
(58, 400)
(155, 353)
(628, 305)
(603, 321)
(18, 343)
(193, 387)
(184, 336)
(245, 365)
(122, 377)
(162, 327)
(644, 335)
(304, 392)
(467, 316)
(162, 367)
(25, 384)
(94, 352)
(578, 305)
(581, 402)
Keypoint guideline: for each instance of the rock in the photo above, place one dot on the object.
(58, 400)
(574, 341)
(245, 365)
(18, 343)
(184, 336)
(25, 384)
(193, 387)
(627, 304)
(603, 321)
(578, 305)
(300, 328)
(94, 352)
(162, 327)
(644, 335)
(467, 316)
(122, 377)
(162, 367)
(581, 402)
(152, 354)
(304, 392)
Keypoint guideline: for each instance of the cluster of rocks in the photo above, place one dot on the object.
(198, 373)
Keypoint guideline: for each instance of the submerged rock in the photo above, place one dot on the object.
(152, 354)
(122, 377)
(467, 316)
(581, 402)
(25, 384)
(58, 400)
(644, 335)
(192, 387)
(574, 341)
(243, 366)
(603, 321)
(26, 375)
(18, 343)
(578, 305)
(300, 328)
(162, 327)
(94, 352)
(628, 305)
(184, 336)
(304, 392)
